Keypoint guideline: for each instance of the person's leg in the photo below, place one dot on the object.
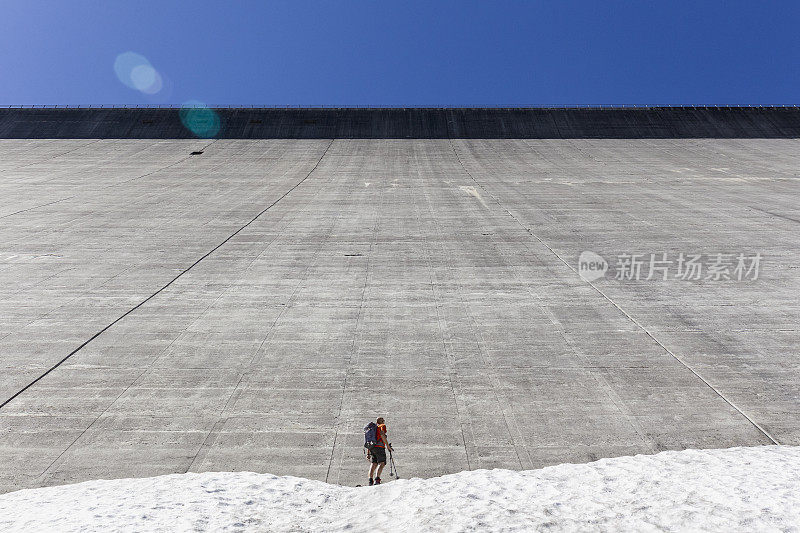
(379, 457)
(372, 468)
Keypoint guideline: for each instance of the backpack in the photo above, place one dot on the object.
(370, 435)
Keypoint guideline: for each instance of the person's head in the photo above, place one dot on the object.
(381, 420)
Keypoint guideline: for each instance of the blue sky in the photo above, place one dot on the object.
(493, 52)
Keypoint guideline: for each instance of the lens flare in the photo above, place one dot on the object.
(200, 119)
(146, 79)
(136, 72)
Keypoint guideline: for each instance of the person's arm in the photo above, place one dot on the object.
(385, 440)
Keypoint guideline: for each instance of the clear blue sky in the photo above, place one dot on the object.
(403, 53)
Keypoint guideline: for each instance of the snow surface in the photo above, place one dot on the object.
(739, 489)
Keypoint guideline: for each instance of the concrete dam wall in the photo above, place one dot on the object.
(625, 284)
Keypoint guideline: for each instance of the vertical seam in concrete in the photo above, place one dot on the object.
(482, 349)
(481, 342)
(494, 381)
(633, 320)
(448, 353)
(347, 369)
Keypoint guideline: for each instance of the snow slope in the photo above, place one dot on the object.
(739, 489)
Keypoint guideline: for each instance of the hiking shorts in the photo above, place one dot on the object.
(378, 455)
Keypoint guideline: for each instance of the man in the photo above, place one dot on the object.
(378, 453)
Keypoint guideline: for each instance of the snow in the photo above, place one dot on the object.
(738, 489)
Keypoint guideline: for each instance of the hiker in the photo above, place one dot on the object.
(376, 449)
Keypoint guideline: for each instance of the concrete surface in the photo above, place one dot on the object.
(408, 123)
(252, 307)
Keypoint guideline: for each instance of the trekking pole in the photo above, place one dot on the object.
(392, 466)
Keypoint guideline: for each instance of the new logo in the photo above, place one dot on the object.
(591, 266)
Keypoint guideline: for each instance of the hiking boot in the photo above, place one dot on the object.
(377, 481)
(371, 482)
